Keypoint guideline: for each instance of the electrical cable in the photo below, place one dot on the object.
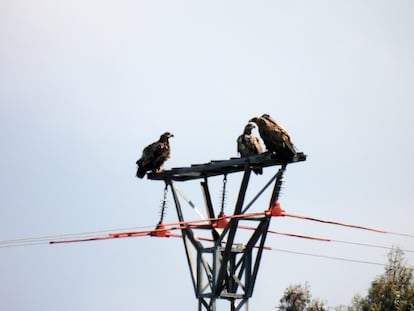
(46, 238)
(402, 234)
(370, 245)
(87, 236)
(327, 257)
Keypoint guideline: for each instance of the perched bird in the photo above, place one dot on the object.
(248, 144)
(154, 155)
(275, 136)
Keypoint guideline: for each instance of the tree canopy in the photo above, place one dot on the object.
(298, 298)
(391, 291)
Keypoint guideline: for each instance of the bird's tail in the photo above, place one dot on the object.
(140, 173)
(288, 151)
(258, 171)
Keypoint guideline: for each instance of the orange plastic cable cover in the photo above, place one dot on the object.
(334, 223)
(211, 240)
(160, 231)
(275, 210)
(220, 222)
(309, 237)
(129, 234)
(216, 219)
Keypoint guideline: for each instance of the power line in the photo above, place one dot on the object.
(89, 234)
(327, 257)
(40, 242)
(46, 238)
(337, 223)
(24, 244)
(402, 234)
(370, 245)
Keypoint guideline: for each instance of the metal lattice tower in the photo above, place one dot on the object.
(227, 270)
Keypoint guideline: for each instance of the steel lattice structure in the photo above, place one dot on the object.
(226, 270)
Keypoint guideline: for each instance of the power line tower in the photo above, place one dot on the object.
(226, 269)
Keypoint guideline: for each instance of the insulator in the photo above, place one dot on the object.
(163, 209)
(223, 197)
(163, 206)
(223, 193)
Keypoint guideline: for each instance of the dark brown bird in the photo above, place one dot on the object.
(154, 155)
(248, 144)
(275, 136)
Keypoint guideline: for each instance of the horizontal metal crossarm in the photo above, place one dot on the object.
(220, 167)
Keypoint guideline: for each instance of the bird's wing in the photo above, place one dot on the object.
(248, 145)
(279, 133)
(256, 143)
(274, 123)
(161, 151)
(240, 143)
(149, 153)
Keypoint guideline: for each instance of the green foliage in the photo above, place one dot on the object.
(392, 291)
(298, 298)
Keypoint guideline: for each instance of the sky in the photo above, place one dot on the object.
(86, 85)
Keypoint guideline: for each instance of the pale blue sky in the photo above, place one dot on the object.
(85, 85)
